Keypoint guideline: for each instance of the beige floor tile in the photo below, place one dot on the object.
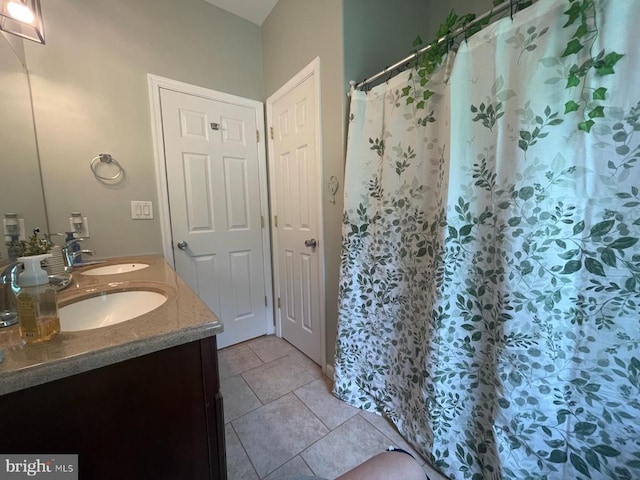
(391, 432)
(275, 433)
(347, 446)
(269, 347)
(292, 469)
(238, 465)
(318, 397)
(237, 397)
(312, 367)
(273, 438)
(277, 378)
(235, 360)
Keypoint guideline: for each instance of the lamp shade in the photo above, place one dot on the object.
(22, 18)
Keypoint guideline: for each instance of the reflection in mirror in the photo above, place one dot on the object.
(20, 181)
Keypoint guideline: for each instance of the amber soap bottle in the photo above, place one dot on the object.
(36, 302)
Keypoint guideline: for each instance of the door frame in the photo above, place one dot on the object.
(310, 70)
(155, 84)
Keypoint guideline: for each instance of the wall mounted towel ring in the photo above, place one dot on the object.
(105, 158)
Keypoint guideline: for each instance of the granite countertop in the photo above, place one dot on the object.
(183, 318)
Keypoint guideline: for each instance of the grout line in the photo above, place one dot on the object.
(305, 462)
(321, 421)
(279, 466)
(420, 460)
(244, 449)
(299, 453)
(313, 378)
(308, 448)
(252, 390)
(294, 363)
(288, 347)
(244, 414)
(245, 370)
(304, 405)
(312, 412)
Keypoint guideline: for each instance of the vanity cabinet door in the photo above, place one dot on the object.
(156, 416)
(214, 410)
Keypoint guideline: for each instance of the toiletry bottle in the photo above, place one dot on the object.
(36, 300)
(75, 246)
(11, 250)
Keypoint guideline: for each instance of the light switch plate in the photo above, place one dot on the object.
(141, 210)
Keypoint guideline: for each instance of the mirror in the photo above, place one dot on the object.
(20, 182)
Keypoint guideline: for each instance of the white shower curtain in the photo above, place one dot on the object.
(489, 293)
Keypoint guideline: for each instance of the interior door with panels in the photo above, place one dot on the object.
(214, 188)
(295, 176)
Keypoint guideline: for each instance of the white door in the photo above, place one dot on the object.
(213, 181)
(295, 172)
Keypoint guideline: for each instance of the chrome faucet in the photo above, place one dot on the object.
(75, 255)
(70, 256)
(9, 274)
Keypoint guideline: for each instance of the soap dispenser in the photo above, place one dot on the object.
(36, 302)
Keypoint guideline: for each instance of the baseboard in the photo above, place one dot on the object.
(329, 371)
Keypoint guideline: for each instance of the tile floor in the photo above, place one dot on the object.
(282, 420)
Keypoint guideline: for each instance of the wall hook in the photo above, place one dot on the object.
(333, 188)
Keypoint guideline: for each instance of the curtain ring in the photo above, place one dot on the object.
(393, 72)
(450, 42)
(389, 73)
(352, 87)
(108, 159)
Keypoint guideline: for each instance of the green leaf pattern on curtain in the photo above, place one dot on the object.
(490, 280)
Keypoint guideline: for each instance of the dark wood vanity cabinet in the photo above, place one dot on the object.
(156, 416)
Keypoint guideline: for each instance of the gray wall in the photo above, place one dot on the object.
(378, 33)
(293, 35)
(90, 95)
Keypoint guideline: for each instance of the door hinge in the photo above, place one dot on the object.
(271, 132)
(265, 301)
(262, 221)
(278, 302)
(275, 221)
(258, 136)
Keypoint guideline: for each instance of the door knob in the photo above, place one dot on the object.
(183, 245)
(312, 242)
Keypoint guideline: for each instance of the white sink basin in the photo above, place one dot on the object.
(115, 269)
(108, 309)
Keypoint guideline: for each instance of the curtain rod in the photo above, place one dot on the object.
(494, 11)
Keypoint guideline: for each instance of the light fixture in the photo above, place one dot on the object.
(22, 18)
